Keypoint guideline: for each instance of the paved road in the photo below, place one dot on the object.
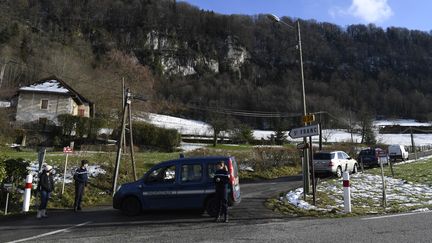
(65, 223)
(250, 222)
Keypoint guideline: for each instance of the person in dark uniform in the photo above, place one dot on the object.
(221, 179)
(81, 178)
(45, 186)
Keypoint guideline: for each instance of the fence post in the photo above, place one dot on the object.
(347, 192)
(27, 193)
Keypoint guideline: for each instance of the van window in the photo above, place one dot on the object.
(211, 169)
(163, 175)
(191, 173)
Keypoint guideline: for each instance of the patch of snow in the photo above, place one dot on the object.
(53, 86)
(191, 146)
(107, 131)
(93, 171)
(401, 122)
(5, 104)
(369, 186)
(421, 210)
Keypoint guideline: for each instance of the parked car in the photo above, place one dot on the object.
(397, 151)
(370, 157)
(184, 183)
(334, 162)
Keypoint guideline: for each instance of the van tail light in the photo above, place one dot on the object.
(330, 164)
(231, 172)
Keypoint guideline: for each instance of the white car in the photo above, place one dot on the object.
(334, 162)
(397, 151)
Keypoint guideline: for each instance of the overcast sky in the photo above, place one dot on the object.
(411, 14)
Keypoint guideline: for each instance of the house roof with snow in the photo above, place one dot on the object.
(55, 85)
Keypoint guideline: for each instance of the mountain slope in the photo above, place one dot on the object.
(215, 61)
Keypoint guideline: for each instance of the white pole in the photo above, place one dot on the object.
(64, 173)
(384, 201)
(347, 192)
(27, 193)
(7, 203)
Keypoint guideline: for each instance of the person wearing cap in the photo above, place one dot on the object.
(221, 180)
(45, 187)
(81, 178)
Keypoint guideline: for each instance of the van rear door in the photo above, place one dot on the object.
(235, 196)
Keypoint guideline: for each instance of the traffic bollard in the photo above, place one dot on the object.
(347, 192)
(27, 193)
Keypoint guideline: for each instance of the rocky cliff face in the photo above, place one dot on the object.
(174, 62)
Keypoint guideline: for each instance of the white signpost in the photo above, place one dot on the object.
(301, 132)
(67, 150)
(306, 131)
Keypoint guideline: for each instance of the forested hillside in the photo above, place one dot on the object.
(183, 57)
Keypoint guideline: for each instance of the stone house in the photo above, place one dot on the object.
(44, 100)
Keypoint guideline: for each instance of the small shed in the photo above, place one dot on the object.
(46, 99)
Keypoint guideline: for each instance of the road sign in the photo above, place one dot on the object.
(302, 145)
(308, 118)
(7, 185)
(67, 150)
(306, 131)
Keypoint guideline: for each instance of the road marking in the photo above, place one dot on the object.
(395, 215)
(50, 233)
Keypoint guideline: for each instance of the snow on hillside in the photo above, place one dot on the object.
(192, 127)
(402, 122)
(184, 126)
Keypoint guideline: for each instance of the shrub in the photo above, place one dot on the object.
(242, 135)
(16, 170)
(168, 139)
(145, 134)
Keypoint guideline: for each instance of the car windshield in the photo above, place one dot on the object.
(367, 152)
(323, 156)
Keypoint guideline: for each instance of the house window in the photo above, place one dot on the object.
(81, 112)
(44, 104)
(43, 120)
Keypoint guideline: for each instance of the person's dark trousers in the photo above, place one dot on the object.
(79, 191)
(223, 206)
(44, 199)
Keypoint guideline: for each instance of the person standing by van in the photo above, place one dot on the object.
(81, 178)
(45, 186)
(221, 180)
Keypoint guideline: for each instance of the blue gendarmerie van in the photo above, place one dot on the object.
(184, 183)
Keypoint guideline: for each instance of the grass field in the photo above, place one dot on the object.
(98, 192)
(409, 192)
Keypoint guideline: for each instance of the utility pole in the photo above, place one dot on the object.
(131, 142)
(412, 144)
(123, 105)
(126, 110)
(2, 74)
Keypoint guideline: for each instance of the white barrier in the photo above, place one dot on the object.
(27, 193)
(347, 192)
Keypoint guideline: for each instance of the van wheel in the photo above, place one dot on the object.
(339, 171)
(355, 169)
(131, 206)
(212, 207)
